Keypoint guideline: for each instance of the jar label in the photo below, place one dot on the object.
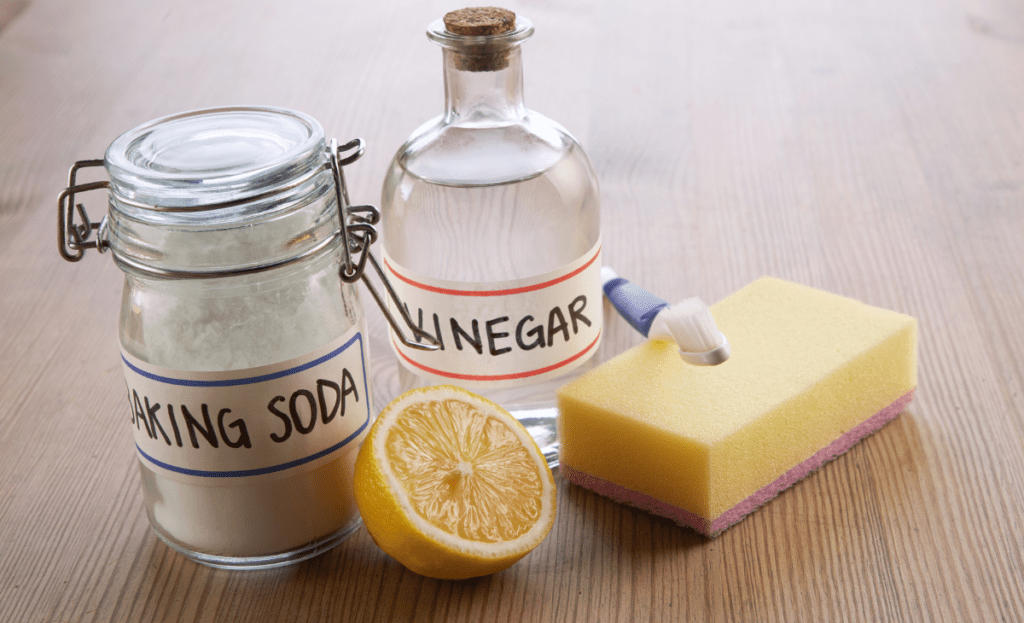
(502, 334)
(268, 420)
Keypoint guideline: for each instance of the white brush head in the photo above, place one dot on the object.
(691, 325)
(607, 274)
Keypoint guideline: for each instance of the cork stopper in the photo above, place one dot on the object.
(481, 22)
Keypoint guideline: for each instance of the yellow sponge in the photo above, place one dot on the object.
(811, 373)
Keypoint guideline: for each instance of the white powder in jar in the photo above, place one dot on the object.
(236, 323)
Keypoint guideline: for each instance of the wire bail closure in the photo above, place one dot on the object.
(73, 238)
(357, 234)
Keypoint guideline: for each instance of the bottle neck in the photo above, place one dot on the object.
(483, 98)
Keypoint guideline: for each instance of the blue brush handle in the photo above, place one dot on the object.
(636, 305)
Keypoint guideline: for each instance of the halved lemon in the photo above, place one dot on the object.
(450, 485)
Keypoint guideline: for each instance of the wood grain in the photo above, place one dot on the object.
(874, 149)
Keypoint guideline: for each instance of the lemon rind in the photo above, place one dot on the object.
(518, 546)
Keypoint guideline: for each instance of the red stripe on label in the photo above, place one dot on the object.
(539, 286)
(497, 377)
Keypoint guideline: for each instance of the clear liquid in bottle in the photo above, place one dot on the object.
(491, 235)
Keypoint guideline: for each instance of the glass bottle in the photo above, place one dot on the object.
(491, 232)
(243, 350)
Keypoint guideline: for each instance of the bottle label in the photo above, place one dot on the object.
(264, 422)
(502, 334)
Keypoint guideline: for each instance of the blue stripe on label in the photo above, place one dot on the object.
(246, 381)
(255, 472)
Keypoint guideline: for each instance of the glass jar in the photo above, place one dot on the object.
(244, 351)
(491, 232)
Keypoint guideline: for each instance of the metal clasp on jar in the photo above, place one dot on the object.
(73, 238)
(357, 234)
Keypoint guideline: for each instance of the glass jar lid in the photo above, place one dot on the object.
(220, 192)
(208, 157)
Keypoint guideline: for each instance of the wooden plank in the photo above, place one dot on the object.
(872, 149)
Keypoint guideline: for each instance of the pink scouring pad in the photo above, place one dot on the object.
(811, 374)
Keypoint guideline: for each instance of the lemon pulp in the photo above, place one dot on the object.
(464, 471)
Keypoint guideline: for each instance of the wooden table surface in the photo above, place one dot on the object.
(874, 149)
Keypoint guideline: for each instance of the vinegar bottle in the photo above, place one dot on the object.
(491, 232)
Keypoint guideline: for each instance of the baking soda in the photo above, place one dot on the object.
(247, 327)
